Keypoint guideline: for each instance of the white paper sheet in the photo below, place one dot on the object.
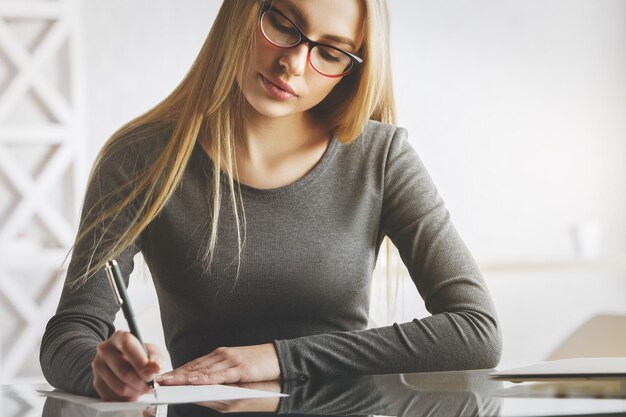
(609, 367)
(169, 395)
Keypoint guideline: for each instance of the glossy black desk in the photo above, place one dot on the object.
(442, 394)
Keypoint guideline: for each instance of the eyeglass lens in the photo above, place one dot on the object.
(282, 32)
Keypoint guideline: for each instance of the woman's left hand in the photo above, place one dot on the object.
(227, 365)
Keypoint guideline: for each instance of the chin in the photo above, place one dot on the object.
(272, 109)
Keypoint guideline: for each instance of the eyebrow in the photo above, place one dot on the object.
(300, 20)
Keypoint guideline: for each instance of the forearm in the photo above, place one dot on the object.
(446, 341)
(67, 350)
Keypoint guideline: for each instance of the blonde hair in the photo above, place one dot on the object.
(209, 105)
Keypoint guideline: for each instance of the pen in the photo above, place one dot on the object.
(119, 289)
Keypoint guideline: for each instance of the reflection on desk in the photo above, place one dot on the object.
(449, 394)
(387, 395)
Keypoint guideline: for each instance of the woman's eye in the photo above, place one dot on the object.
(284, 29)
(328, 56)
(280, 26)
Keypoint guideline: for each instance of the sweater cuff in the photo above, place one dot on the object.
(288, 369)
(286, 404)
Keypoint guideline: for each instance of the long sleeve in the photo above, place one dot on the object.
(305, 270)
(85, 313)
(461, 333)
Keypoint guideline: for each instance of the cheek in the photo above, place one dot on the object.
(264, 54)
(260, 61)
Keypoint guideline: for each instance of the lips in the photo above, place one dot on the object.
(280, 84)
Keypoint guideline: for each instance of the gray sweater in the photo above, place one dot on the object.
(306, 269)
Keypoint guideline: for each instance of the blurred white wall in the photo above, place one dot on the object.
(136, 53)
(517, 107)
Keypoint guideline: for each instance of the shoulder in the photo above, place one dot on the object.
(380, 131)
(131, 152)
(140, 141)
(366, 160)
(381, 137)
(377, 141)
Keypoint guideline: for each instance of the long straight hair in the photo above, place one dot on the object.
(208, 105)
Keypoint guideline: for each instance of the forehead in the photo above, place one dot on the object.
(318, 18)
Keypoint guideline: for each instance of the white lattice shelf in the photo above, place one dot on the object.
(52, 134)
(37, 226)
(33, 10)
(44, 258)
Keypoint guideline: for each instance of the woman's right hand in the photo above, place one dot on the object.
(121, 368)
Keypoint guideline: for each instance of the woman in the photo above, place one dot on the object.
(259, 193)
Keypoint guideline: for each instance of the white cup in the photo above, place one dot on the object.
(586, 238)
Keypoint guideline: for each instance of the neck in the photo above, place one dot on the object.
(269, 141)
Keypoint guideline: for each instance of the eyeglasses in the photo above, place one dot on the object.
(326, 59)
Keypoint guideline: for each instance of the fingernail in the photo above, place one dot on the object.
(167, 377)
(192, 378)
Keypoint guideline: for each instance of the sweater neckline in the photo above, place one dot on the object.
(315, 172)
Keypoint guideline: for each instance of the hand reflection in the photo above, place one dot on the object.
(251, 404)
(149, 411)
(429, 395)
(417, 395)
(57, 407)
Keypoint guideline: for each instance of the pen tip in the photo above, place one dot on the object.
(154, 391)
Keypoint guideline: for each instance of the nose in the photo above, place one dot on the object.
(294, 60)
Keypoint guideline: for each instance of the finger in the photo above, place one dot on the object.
(177, 377)
(155, 360)
(206, 361)
(106, 393)
(111, 388)
(216, 367)
(149, 411)
(133, 351)
(269, 386)
(200, 375)
(214, 405)
(154, 355)
(205, 376)
(127, 374)
(112, 361)
(232, 406)
(225, 376)
(116, 372)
